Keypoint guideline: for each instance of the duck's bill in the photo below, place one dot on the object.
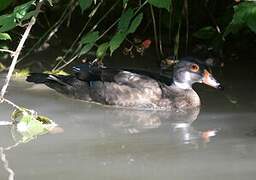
(209, 80)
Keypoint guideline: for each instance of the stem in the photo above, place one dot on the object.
(67, 63)
(11, 103)
(63, 17)
(81, 32)
(6, 164)
(160, 34)
(19, 48)
(6, 50)
(155, 31)
(187, 24)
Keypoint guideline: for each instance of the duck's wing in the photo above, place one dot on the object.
(43, 78)
(88, 72)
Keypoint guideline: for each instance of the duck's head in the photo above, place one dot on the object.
(189, 71)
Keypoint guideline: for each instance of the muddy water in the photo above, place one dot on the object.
(106, 143)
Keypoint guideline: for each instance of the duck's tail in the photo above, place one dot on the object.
(38, 78)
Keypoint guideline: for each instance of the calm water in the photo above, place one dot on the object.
(107, 143)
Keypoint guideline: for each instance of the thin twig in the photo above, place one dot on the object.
(18, 50)
(11, 103)
(82, 31)
(67, 63)
(6, 164)
(103, 34)
(48, 33)
(155, 31)
(187, 24)
(8, 51)
(160, 33)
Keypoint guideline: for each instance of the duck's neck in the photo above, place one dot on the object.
(184, 90)
(181, 85)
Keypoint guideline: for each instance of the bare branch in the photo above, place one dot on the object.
(7, 50)
(6, 164)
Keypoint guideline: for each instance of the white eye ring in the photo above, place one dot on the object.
(194, 68)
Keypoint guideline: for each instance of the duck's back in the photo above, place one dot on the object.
(126, 89)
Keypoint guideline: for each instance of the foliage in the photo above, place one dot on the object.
(5, 36)
(84, 4)
(104, 34)
(244, 16)
(30, 125)
(161, 4)
(4, 4)
(19, 14)
(88, 41)
(128, 23)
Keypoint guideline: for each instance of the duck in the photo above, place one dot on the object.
(136, 89)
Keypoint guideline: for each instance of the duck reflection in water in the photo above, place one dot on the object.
(178, 125)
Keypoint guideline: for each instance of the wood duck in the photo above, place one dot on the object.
(132, 88)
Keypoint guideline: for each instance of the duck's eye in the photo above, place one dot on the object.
(194, 68)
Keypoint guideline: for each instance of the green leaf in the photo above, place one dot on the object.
(135, 23)
(251, 21)
(116, 41)
(4, 4)
(244, 15)
(5, 36)
(84, 4)
(28, 15)
(125, 19)
(86, 48)
(7, 24)
(102, 49)
(30, 125)
(90, 37)
(161, 3)
(207, 32)
(20, 11)
(88, 41)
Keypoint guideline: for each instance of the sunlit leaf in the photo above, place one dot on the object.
(125, 19)
(161, 3)
(135, 23)
(30, 125)
(22, 73)
(20, 13)
(84, 4)
(28, 15)
(57, 72)
(90, 37)
(116, 41)
(21, 10)
(2, 67)
(5, 36)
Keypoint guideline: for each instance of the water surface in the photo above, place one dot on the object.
(108, 143)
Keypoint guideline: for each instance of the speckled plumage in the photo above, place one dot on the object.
(128, 89)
